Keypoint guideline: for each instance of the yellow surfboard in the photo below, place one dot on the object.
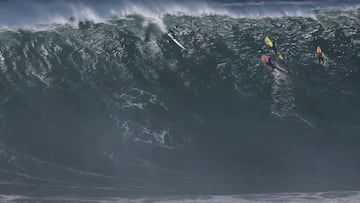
(318, 50)
(281, 56)
(268, 41)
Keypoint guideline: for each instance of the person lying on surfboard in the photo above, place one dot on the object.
(173, 30)
(268, 62)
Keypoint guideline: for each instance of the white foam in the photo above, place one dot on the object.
(2, 63)
(155, 11)
(282, 95)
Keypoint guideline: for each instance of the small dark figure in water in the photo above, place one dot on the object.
(72, 19)
(274, 47)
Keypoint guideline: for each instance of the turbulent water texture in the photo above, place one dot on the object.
(113, 107)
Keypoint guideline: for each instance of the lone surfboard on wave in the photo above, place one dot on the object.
(176, 42)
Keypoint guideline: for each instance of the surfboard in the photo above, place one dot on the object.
(268, 41)
(264, 58)
(277, 68)
(318, 50)
(326, 59)
(176, 42)
(281, 70)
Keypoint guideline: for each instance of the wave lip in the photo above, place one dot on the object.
(16, 14)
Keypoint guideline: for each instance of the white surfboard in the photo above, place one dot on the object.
(281, 70)
(176, 42)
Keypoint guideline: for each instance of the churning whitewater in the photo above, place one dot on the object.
(96, 101)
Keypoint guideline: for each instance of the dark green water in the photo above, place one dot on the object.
(116, 108)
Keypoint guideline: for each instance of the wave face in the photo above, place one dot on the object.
(107, 105)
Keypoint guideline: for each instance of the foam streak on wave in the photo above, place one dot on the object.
(282, 95)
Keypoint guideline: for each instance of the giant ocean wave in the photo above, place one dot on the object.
(107, 105)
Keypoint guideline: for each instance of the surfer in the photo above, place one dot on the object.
(320, 55)
(171, 33)
(173, 30)
(272, 45)
(274, 48)
(268, 62)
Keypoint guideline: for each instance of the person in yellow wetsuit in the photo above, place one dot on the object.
(321, 55)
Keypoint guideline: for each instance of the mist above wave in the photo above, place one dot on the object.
(30, 13)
